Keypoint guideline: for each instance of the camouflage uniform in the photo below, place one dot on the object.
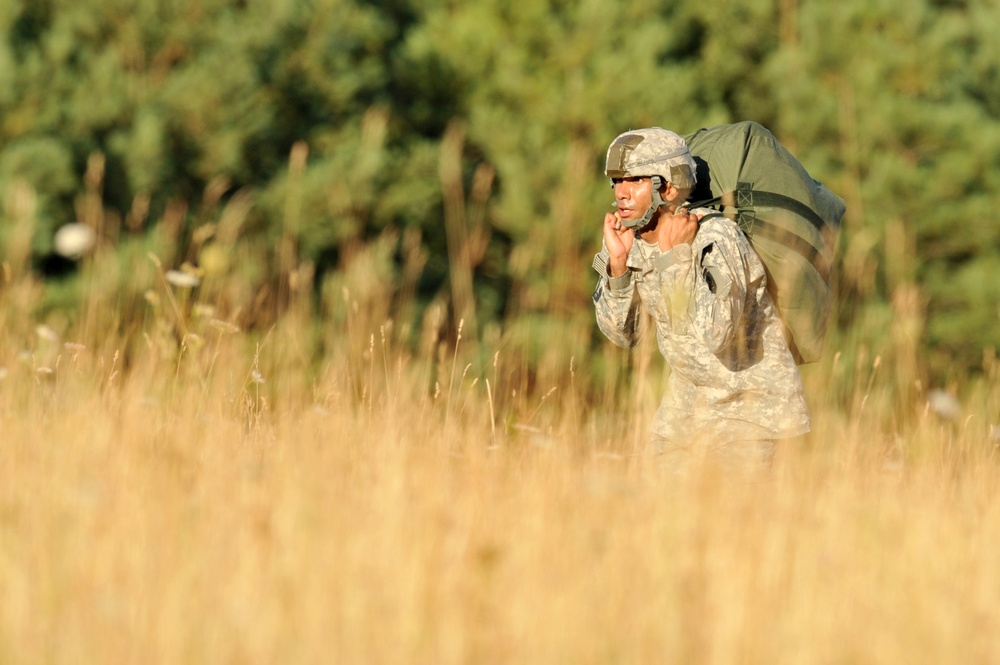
(733, 377)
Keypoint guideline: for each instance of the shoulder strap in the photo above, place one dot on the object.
(747, 197)
(794, 242)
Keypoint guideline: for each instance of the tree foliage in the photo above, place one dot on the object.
(477, 130)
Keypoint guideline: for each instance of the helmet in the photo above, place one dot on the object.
(653, 152)
(650, 152)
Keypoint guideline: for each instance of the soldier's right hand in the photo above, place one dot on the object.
(618, 241)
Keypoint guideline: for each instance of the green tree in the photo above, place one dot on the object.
(473, 134)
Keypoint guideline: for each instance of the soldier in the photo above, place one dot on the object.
(734, 387)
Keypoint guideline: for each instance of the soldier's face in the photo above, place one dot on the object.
(633, 196)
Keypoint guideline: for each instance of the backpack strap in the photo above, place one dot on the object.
(745, 196)
(752, 225)
(749, 198)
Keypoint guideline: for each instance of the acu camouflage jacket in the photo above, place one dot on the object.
(732, 375)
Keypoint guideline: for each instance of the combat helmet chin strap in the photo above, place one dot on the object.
(657, 203)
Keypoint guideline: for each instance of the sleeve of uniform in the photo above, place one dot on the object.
(616, 304)
(720, 286)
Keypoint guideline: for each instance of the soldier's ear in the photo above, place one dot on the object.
(669, 191)
(673, 193)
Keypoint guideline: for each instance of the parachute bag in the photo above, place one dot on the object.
(791, 219)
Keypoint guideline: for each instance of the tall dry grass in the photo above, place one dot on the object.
(175, 513)
(179, 490)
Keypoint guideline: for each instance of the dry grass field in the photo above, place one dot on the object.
(220, 498)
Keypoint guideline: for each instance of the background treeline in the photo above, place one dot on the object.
(441, 156)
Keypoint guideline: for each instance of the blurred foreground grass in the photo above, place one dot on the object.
(219, 496)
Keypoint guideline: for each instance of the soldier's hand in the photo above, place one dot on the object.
(618, 241)
(677, 228)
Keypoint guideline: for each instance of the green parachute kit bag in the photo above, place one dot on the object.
(791, 219)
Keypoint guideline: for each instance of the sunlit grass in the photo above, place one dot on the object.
(180, 482)
(227, 503)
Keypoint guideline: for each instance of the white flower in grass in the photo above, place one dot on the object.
(944, 404)
(46, 333)
(74, 240)
(256, 377)
(182, 280)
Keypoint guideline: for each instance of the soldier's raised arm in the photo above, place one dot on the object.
(616, 303)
